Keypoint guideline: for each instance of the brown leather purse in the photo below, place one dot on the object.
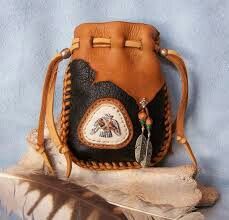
(115, 111)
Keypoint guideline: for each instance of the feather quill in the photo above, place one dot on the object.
(135, 197)
(37, 196)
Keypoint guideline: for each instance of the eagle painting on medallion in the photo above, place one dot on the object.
(106, 125)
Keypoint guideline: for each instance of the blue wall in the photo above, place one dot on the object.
(32, 31)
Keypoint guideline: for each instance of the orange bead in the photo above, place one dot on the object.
(142, 115)
(149, 121)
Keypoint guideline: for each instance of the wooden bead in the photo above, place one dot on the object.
(142, 115)
(149, 121)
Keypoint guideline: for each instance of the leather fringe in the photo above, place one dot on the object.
(46, 114)
(178, 126)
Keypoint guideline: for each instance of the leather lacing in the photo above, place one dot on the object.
(46, 113)
(65, 107)
(106, 42)
(94, 165)
(168, 130)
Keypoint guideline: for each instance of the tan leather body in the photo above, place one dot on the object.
(135, 70)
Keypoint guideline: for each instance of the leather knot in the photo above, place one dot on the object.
(40, 149)
(181, 140)
(63, 149)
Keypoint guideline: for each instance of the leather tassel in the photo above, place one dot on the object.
(178, 125)
(46, 113)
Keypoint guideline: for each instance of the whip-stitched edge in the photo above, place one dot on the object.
(64, 130)
(94, 165)
(168, 129)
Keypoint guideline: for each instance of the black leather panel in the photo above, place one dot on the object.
(84, 93)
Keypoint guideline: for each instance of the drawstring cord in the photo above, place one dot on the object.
(178, 125)
(46, 114)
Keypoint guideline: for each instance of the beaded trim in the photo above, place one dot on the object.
(93, 165)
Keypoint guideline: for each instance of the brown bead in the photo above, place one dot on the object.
(142, 115)
(149, 121)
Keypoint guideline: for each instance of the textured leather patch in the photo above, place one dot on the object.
(84, 93)
(106, 125)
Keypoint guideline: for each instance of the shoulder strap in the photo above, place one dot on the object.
(177, 60)
(46, 113)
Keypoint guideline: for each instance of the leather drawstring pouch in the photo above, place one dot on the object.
(116, 112)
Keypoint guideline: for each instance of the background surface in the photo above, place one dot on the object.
(32, 31)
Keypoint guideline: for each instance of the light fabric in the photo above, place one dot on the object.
(32, 31)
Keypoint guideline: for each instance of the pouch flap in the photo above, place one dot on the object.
(122, 53)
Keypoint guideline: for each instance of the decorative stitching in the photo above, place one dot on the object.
(64, 130)
(168, 128)
(106, 42)
(93, 165)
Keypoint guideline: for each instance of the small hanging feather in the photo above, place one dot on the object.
(146, 162)
(148, 154)
(140, 148)
(143, 146)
